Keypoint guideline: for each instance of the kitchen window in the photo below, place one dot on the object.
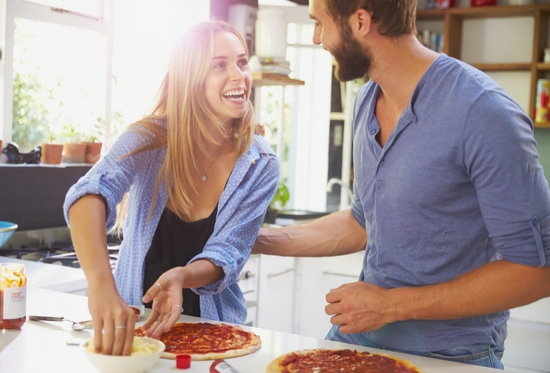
(55, 68)
(84, 63)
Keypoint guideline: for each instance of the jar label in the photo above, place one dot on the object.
(15, 303)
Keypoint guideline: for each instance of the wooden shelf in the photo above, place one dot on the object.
(482, 11)
(453, 20)
(430, 14)
(503, 66)
(495, 11)
(264, 79)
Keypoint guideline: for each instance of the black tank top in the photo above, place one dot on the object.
(174, 244)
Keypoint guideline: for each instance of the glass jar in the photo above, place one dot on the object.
(13, 294)
(270, 33)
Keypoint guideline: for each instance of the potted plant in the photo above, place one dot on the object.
(50, 152)
(279, 200)
(73, 150)
(93, 143)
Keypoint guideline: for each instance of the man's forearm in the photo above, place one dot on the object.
(494, 287)
(334, 234)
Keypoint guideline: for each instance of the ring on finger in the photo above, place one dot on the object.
(120, 327)
(160, 287)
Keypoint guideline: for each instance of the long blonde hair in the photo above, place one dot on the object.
(181, 101)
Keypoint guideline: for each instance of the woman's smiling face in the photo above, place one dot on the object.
(229, 80)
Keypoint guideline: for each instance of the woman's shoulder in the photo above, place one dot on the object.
(260, 145)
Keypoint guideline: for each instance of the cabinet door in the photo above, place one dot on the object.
(276, 293)
(315, 278)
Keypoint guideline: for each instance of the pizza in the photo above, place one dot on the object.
(332, 361)
(205, 341)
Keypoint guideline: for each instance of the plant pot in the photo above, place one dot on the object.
(270, 216)
(74, 153)
(93, 152)
(51, 153)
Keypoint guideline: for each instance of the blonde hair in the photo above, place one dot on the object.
(181, 101)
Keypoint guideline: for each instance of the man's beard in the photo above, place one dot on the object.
(352, 61)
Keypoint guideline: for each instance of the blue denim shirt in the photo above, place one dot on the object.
(241, 209)
(458, 184)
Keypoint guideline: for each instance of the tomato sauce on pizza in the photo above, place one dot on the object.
(206, 341)
(336, 361)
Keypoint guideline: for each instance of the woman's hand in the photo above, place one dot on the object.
(166, 295)
(114, 322)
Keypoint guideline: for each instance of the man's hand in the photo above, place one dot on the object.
(359, 307)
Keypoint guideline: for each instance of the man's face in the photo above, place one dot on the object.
(352, 59)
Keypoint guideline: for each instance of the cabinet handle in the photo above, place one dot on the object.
(245, 276)
(288, 270)
(339, 274)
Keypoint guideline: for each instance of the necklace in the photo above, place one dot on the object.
(204, 177)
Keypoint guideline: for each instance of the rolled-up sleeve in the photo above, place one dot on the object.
(513, 193)
(240, 219)
(110, 178)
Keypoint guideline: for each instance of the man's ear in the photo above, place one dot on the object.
(361, 22)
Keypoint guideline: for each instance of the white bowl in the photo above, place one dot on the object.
(126, 364)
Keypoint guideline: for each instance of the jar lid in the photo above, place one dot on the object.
(183, 361)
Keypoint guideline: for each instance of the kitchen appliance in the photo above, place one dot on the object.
(53, 246)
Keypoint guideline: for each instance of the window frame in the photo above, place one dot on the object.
(10, 10)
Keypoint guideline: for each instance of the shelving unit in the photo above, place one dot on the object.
(265, 79)
(453, 19)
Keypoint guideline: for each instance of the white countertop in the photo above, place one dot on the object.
(42, 347)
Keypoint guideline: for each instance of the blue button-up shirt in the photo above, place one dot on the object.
(241, 209)
(458, 184)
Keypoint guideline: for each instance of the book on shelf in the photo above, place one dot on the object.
(274, 69)
(273, 60)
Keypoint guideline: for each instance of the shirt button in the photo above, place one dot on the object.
(535, 221)
(381, 163)
(372, 132)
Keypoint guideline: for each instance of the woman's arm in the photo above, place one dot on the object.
(335, 234)
(113, 319)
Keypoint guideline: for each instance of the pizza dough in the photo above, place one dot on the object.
(206, 341)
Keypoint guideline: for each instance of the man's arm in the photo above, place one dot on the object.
(334, 234)
(493, 287)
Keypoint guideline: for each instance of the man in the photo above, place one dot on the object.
(450, 201)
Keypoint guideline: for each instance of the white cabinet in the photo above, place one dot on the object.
(528, 340)
(276, 293)
(315, 277)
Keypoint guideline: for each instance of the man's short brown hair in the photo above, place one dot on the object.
(393, 17)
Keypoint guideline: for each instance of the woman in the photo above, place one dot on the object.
(198, 182)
